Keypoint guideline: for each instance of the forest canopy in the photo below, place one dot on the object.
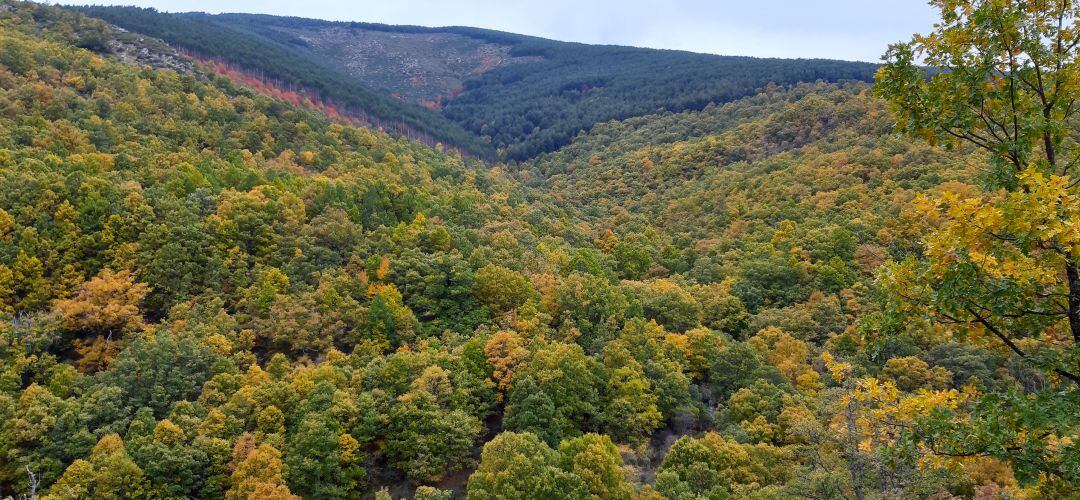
(523, 109)
(820, 290)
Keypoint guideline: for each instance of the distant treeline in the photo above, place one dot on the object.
(522, 109)
(200, 34)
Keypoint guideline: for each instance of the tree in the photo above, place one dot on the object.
(108, 473)
(156, 372)
(107, 304)
(965, 362)
(520, 465)
(1004, 263)
(34, 434)
(910, 373)
(756, 408)
(258, 474)
(714, 466)
(630, 412)
(788, 354)
(556, 394)
(388, 319)
(311, 323)
(504, 352)
(873, 430)
(596, 460)
(631, 260)
(30, 287)
(737, 366)
(668, 303)
(429, 493)
(696, 350)
(501, 289)
(173, 465)
(721, 310)
(641, 345)
(319, 458)
(105, 309)
(426, 441)
(531, 409)
(590, 308)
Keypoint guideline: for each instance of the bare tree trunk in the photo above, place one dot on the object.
(852, 445)
(1073, 273)
(34, 483)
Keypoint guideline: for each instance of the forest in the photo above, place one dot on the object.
(291, 67)
(521, 109)
(825, 289)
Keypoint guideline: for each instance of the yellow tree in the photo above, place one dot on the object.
(107, 306)
(789, 355)
(1004, 261)
(1002, 266)
(505, 353)
(258, 474)
(109, 302)
(872, 428)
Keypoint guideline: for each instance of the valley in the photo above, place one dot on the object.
(246, 256)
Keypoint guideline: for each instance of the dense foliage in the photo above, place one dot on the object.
(522, 109)
(291, 66)
(207, 292)
(1001, 265)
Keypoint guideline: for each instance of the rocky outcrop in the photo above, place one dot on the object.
(131, 48)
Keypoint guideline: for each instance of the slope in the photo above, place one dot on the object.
(207, 292)
(524, 95)
(293, 68)
(729, 191)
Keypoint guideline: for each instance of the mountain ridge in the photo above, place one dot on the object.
(524, 96)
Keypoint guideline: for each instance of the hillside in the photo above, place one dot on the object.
(207, 291)
(418, 65)
(295, 70)
(523, 95)
(785, 192)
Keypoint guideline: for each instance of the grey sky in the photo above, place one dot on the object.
(838, 29)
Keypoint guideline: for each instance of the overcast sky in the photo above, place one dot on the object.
(837, 29)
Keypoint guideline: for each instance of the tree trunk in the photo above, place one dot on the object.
(1073, 273)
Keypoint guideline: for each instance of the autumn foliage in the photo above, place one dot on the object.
(209, 288)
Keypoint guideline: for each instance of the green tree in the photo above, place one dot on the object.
(668, 303)
(556, 394)
(641, 345)
(502, 289)
(426, 441)
(108, 473)
(630, 413)
(31, 288)
(158, 371)
(756, 408)
(721, 310)
(388, 318)
(520, 465)
(714, 466)
(590, 308)
(172, 464)
(737, 366)
(317, 464)
(631, 260)
(595, 460)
